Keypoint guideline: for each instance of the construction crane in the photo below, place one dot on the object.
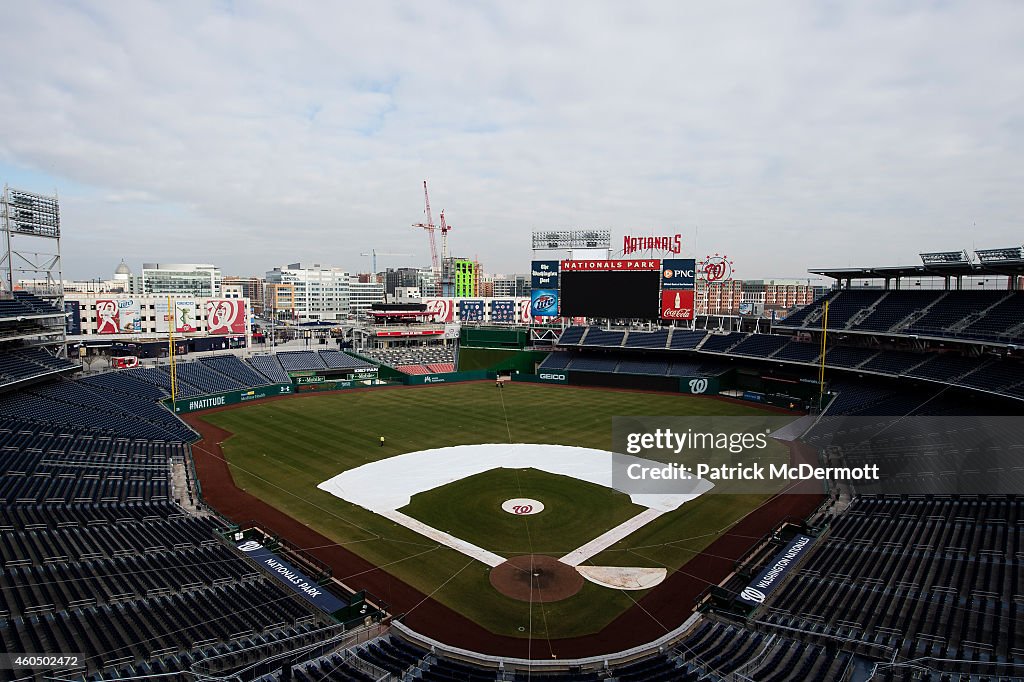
(445, 227)
(436, 264)
(430, 227)
(373, 255)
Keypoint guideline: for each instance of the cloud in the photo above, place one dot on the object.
(256, 134)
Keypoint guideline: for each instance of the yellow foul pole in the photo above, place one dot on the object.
(170, 348)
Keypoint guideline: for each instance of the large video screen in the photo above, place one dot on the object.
(616, 294)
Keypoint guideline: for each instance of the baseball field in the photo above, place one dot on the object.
(280, 450)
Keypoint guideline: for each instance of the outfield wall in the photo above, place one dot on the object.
(500, 359)
(639, 382)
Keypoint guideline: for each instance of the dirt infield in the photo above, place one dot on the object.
(536, 578)
(661, 610)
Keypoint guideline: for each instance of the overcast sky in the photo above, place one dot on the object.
(786, 135)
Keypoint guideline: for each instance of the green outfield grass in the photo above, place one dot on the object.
(281, 450)
(575, 511)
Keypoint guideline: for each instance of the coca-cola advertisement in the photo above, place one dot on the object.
(677, 304)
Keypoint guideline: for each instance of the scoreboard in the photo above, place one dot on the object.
(639, 289)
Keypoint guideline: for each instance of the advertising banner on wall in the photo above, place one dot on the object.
(610, 265)
(440, 309)
(544, 303)
(678, 273)
(131, 315)
(72, 317)
(773, 575)
(118, 316)
(471, 310)
(544, 274)
(523, 308)
(293, 578)
(677, 304)
(225, 316)
(183, 316)
(108, 316)
(503, 310)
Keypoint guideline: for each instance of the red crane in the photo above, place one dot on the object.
(429, 226)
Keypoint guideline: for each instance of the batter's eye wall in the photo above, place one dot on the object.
(628, 381)
(617, 294)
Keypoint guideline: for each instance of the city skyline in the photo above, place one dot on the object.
(233, 132)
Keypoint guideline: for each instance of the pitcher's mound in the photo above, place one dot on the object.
(535, 577)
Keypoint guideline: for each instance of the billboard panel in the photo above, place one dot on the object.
(611, 293)
(503, 311)
(774, 574)
(441, 309)
(225, 316)
(183, 316)
(72, 318)
(108, 316)
(471, 310)
(677, 304)
(678, 273)
(544, 274)
(291, 577)
(544, 302)
(608, 265)
(130, 314)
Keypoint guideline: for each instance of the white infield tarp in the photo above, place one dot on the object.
(387, 485)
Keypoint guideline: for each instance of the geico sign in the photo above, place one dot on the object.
(556, 377)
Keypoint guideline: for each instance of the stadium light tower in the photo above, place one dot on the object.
(30, 224)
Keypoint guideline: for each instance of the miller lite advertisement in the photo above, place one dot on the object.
(544, 302)
(677, 304)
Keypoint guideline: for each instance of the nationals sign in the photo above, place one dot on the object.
(604, 265)
(717, 268)
(225, 316)
(667, 243)
(677, 304)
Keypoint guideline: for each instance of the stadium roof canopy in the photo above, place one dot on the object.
(1007, 262)
(903, 271)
